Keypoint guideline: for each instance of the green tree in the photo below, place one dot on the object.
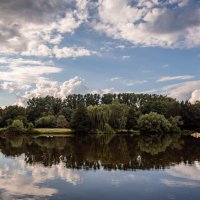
(176, 123)
(190, 114)
(17, 125)
(11, 113)
(119, 113)
(99, 117)
(61, 122)
(132, 119)
(80, 122)
(30, 126)
(46, 122)
(153, 123)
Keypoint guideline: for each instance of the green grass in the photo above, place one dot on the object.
(53, 130)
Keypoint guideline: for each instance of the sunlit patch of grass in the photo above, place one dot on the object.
(53, 130)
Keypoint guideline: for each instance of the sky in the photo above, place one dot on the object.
(62, 47)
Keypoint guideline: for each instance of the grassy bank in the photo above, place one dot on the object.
(53, 130)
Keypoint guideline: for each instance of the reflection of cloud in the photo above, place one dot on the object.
(189, 172)
(19, 179)
(124, 179)
(17, 182)
(42, 174)
(171, 183)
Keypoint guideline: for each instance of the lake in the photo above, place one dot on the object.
(100, 167)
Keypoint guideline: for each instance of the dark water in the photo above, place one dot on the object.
(101, 167)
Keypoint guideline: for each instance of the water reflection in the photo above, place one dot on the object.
(56, 168)
(15, 181)
(108, 152)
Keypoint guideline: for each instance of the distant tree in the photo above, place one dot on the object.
(166, 106)
(132, 119)
(153, 123)
(80, 122)
(190, 114)
(176, 123)
(67, 112)
(46, 122)
(108, 98)
(11, 113)
(61, 122)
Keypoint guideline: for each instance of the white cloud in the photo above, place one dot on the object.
(20, 74)
(195, 96)
(171, 78)
(182, 91)
(103, 91)
(72, 52)
(114, 79)
(125, 57)
(151, 91)
(74, 85)
(151, 23)
(37, 28)
(127, 82)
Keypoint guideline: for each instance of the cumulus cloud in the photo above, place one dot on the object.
(195, 96)
(183, 91)
(151, 23)
(37, 28)
(74, 85)
(20, 74)
(171, 78)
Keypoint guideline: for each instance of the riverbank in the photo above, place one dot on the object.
(62, 132)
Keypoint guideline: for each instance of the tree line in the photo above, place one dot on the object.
(106, 113)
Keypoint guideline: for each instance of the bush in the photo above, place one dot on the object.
(153, 123)
(30, 126)
(17, 125)
(46, 122)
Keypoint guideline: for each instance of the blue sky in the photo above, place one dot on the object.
(78, 46)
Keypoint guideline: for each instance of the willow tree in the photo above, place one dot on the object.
(119, 114)
(99, 117)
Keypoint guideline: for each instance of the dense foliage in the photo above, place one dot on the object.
(105, 113)
(154, 123)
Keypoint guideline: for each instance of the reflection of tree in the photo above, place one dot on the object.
(107, 151)
(158, 143)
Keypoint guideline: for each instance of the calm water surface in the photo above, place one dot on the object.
(100, 167)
